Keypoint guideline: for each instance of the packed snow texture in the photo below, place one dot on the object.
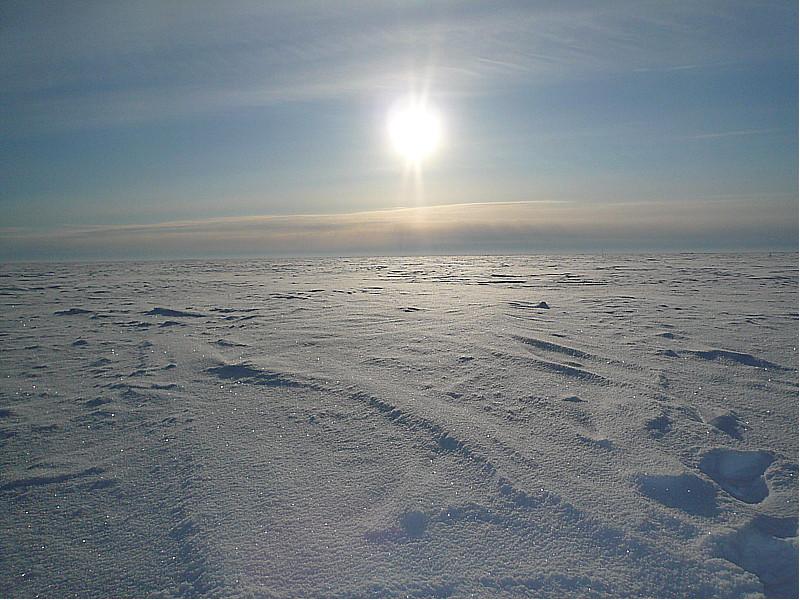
(491, 426)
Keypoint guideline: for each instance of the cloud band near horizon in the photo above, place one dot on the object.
(520, 227)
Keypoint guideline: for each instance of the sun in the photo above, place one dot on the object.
(415, 129)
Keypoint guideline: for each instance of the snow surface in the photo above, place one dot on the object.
(401, 427)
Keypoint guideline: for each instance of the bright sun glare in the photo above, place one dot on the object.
(415, 130)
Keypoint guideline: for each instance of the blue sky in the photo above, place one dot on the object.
(151, 116)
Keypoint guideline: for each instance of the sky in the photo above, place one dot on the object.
(189, 129)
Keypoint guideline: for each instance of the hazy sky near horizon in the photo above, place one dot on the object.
(205, 128)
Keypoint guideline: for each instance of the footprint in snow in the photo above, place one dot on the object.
(414, 523)
(764, 547)
(729, 423)
(659, 426)
(739, 472)
(684, 491)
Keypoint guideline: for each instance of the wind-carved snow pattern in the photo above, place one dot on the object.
(171, 312)
(736, 358)
(444, 426)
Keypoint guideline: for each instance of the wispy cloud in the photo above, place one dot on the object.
(107, 64)
(726, 134)
(670, 68)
